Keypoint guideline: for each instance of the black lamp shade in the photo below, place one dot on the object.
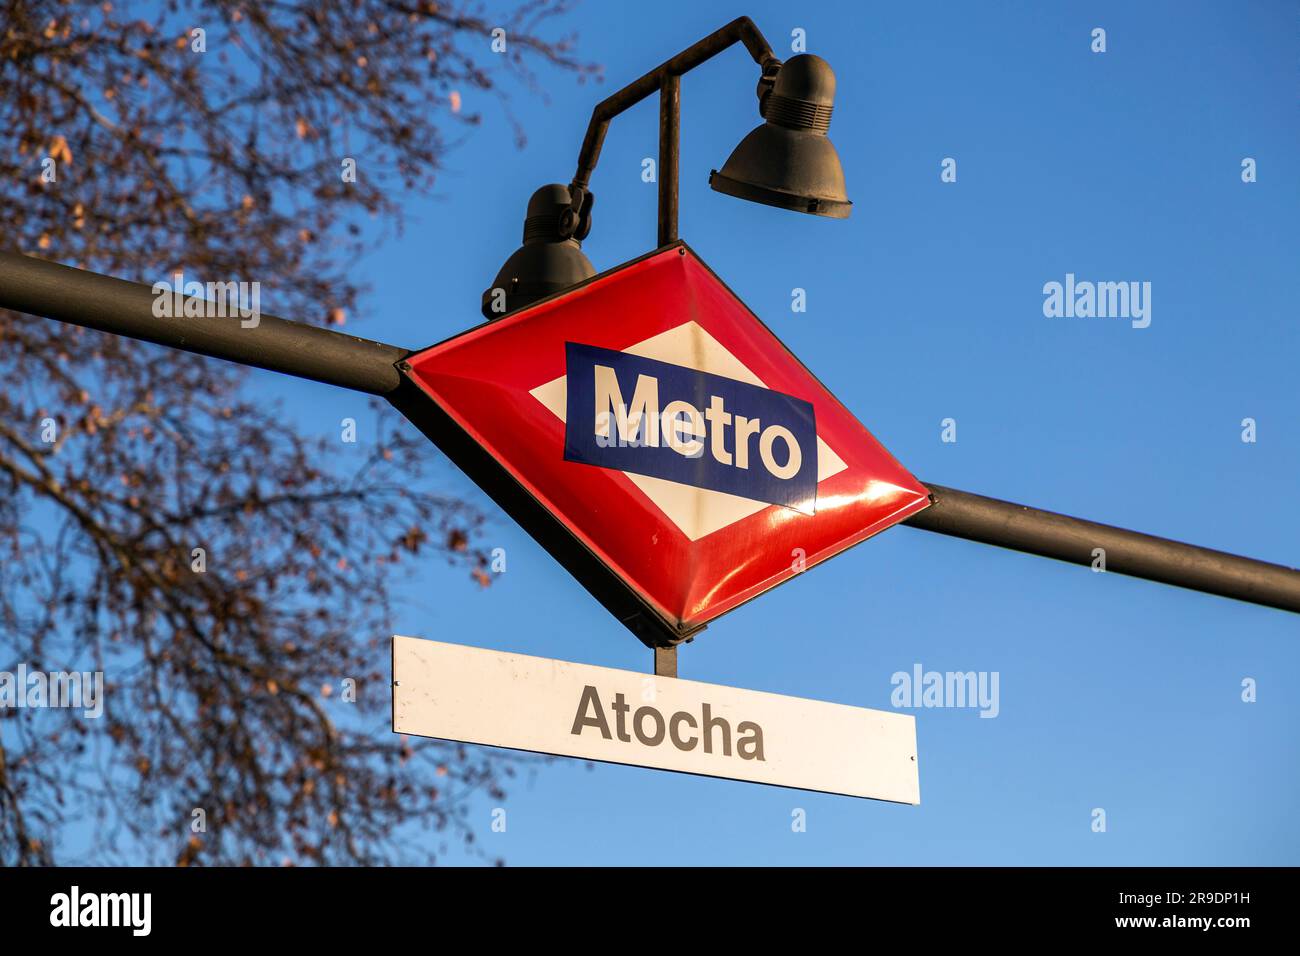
(789, 161)
(544, 264)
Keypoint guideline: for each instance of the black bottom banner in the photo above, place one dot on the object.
(334, 906)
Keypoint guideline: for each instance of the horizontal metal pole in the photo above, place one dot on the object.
(126, 308)
(95, 301)
(1050, 535)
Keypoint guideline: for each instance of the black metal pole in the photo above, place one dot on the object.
(740, 30)
(670, 111)
(667, 79)
(1050, 535)
(125, 308)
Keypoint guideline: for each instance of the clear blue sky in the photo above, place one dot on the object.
(928, 304)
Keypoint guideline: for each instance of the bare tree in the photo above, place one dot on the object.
(155, 527)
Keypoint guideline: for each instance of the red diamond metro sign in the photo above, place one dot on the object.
(650, 432)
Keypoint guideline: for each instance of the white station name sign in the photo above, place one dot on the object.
(480, 696)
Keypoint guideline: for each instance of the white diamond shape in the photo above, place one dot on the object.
(695, 511)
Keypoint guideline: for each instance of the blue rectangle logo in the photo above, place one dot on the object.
(667, 421)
